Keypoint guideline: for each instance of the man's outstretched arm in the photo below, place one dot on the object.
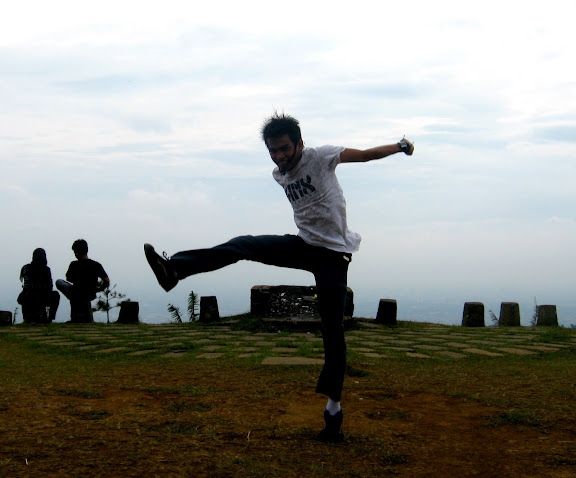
(362, 155)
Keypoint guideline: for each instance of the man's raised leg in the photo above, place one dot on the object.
(282, 251)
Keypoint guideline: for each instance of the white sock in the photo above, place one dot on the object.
(333, 407)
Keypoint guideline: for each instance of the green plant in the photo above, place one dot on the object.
(175, 313)
(495, 319)
(104, 298)
(534, 320)
(193, 306)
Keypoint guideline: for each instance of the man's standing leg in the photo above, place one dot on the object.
(331, 285)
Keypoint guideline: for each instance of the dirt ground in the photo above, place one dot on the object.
(176, 420)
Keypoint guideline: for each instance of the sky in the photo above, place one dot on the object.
(129, 122)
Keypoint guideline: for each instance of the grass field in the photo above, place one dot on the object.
(193, 400)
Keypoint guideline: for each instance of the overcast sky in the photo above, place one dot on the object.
(128, 122)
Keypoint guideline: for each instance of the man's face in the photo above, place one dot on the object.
(284, 153)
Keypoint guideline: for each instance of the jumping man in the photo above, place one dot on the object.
(324, 244)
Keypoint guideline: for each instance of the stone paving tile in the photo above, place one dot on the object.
(142, 352)
(210, 355)
(212, 348)
(292, 361)
(516, 351)
(374, 355)
(111, 350)
(453, 355)
(482, 352)
(283, 350)
(44, 339)
(542, 348)
(174, 354)
(418, 355)
(457, 345)
(428, 347)
(398, 349)
(486, 342)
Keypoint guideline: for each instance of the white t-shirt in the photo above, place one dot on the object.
(318, 201)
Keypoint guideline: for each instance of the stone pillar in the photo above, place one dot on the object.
(5, 317)
(128, 312)
(547, 315)
(387, 312)
(259, 300)
(473, 315)
(209, 309)
(509, 314)
(349, 307)
(81, 312)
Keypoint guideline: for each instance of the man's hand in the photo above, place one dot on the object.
(102, 285)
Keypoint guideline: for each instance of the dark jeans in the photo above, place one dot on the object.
(330, 270)
(73, 293)
(34, 305)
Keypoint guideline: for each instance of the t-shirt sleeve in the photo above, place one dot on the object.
(330, 155)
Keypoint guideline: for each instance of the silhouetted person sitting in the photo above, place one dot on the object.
(82, 282)
(37, 294)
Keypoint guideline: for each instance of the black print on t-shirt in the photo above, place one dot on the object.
(297, 190)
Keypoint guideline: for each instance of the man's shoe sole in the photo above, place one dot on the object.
(160, 267)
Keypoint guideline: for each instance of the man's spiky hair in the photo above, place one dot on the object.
(279, 125)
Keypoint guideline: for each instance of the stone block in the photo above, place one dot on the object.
(547, 315)
(129, 312)
(387, 312)
(509, 314)
(81, 312)
(473, 314)
(5, 317)
(290, 301)
(209, 309)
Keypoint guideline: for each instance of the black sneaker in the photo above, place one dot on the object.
(332, 432)
(406, 146)
(162, 269)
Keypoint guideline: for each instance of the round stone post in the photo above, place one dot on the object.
(387, 311)
(473, 315)
(547, 315)
(349, 307)
(509, 314)
(209, 309)
(128, 312)
(81, 312)
(5, 317)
